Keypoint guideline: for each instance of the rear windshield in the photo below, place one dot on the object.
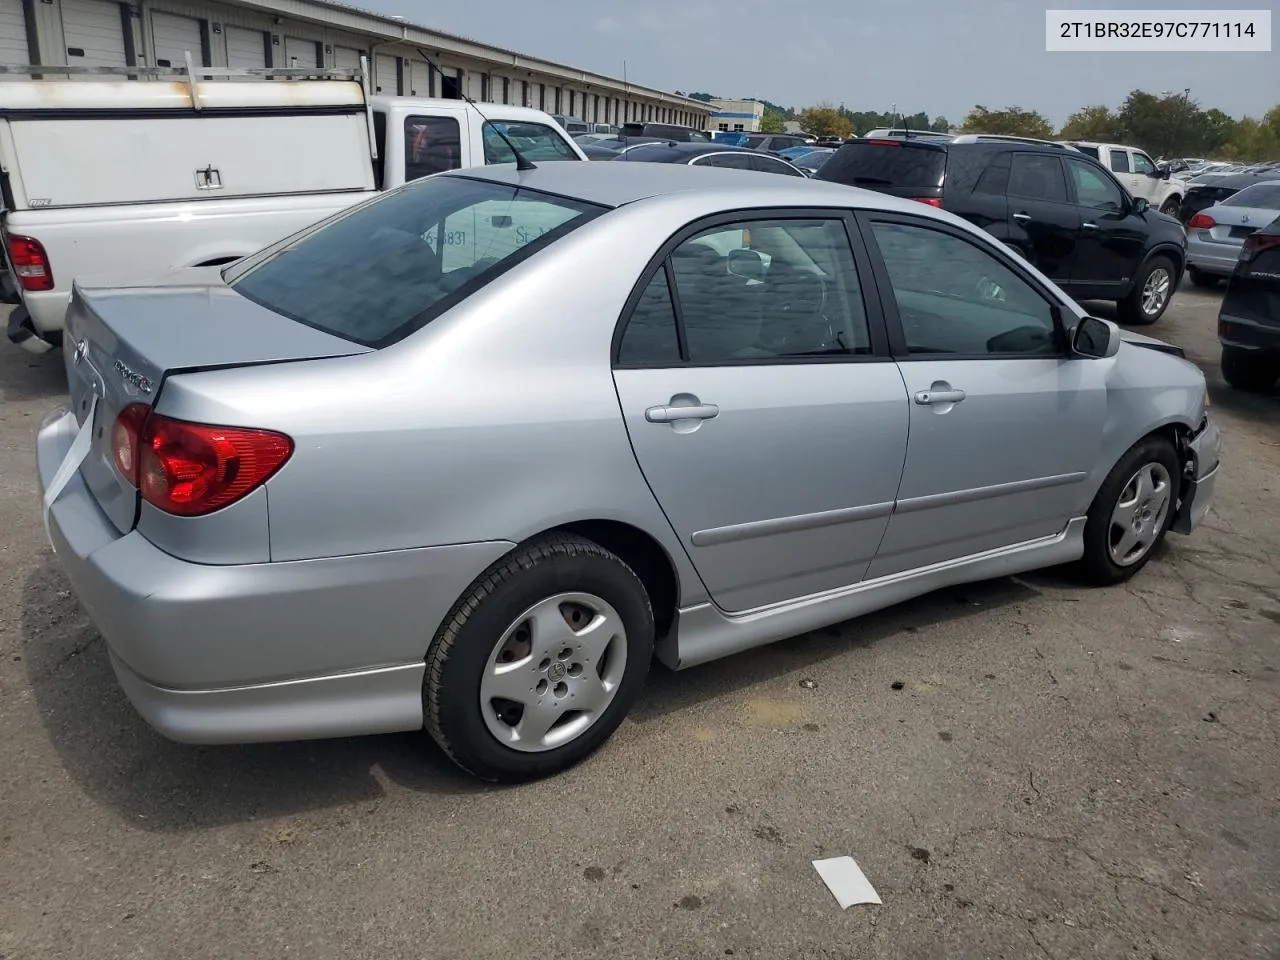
(886, 166)
(1263, 195)
(386, 268)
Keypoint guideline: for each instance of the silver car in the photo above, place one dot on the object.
(1216, 236)
(387, 475)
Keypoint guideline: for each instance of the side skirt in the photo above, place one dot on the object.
(704, 632)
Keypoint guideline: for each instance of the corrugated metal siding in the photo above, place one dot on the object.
(95, 28)
(173, 36)
(246, 49)
(13, 33)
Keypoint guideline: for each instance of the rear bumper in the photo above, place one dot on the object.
(1216, 258)
(256, 652)
(1244, 333)
(1197, 495)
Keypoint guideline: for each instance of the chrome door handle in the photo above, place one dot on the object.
(1022, 217)
(927, 397)
(670, 414)
(1088, 226)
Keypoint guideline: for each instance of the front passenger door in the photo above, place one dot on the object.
(1112, 236)
(1005, 425)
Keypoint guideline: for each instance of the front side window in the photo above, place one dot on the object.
(1119, 161)
(955, 298)
(535, 141)
(1037, 176)
(753, 290)
(382, 270)
(1142, 164)
(1093, 188)
(431, 145)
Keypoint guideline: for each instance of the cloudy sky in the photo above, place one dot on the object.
(940, 56)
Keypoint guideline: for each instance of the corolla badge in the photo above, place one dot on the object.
(132, 378)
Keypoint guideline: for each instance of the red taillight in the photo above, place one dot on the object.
(931, 201)
(885, 143)
(1201, 221)
(1255, 243)
(191, 469)
(30, 263)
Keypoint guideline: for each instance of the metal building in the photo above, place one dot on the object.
(281, 33)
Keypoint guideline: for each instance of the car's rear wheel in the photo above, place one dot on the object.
(1202, 279)
(539, 661)
(1131, 513)
(1152, 291)
(1171, 206)
(1250, 371)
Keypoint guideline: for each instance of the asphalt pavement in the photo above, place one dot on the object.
(1024, 768)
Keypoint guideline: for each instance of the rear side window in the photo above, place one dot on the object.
(379, 272)
(1089, 151)
(1119, 161)
(879, 166)
(1037, 177)
(767, 164)
(995, 179)
(535, 141)
(431, 145)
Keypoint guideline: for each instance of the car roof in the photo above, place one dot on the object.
(681, 151)
(617, 184)
(492, 111)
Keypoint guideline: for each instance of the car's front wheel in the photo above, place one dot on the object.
(1250, 371)
(1131, 513)
(539, 661)
(1151, 293)
(1171, 206)
(1202, 279)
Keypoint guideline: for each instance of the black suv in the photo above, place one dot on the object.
(1060, 210)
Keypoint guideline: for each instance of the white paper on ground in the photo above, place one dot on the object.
(846, 881)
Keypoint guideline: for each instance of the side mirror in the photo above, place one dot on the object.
(1164, 174)
(747, 264)
(1095, 338)
(1141, 205)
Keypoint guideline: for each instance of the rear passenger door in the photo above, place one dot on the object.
(761, 403)
(1043, 224)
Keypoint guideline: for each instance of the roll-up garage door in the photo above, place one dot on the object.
(384, 74)
(348, 58)
(94, 33)
(417, 75)
(13, 33)
(246, 49)
(173, 37)
(300, 53)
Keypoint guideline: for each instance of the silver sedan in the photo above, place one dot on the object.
(1216, 236)
(387, 474)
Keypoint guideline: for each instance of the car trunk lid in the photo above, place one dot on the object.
(121, 342)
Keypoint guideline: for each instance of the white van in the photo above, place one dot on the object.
(111, 176)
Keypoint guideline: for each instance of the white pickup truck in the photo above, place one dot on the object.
(1138, 173)
(109, 176)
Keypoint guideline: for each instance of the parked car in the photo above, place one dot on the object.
(1249, 319)
(1061, 210)
(1138, 172)
(587, 139)
(300, 498)
(1216, 236)
(613, 147)
(710, 155)
(665, 131)
(812, 160)
(773, 142)
(1208, 189)
(571, 125)
(147, 210)
(904, 133)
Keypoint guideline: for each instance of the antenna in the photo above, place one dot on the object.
(522, 162)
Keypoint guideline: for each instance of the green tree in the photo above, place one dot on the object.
(1012, 121)
(773, 121)
(1093, 123)
(825, 120)
(940, 124)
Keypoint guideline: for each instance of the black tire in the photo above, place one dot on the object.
(1171, 206)
(1250, 372)
(1130, 309)
(460, 652)
(1097, 565)
(1202, 279)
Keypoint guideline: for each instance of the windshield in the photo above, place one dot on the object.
(1265, 196)
(535, 141)
(379, 272)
